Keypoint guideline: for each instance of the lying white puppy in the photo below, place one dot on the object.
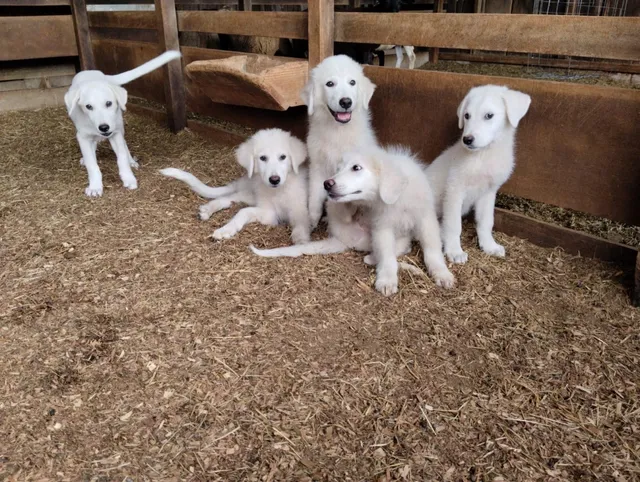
(392, 184)
(277, 193)
(468, 174)
(95, 103)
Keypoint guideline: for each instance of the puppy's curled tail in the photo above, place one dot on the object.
(325, 246)
(153, 64)
(196, 184)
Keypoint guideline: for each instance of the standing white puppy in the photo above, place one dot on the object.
(95, 103)
(468, 174)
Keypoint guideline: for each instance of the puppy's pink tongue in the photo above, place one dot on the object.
(343, 116)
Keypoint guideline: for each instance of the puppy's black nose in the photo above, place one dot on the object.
(467, 140)
(345, 102)
(328, 184)
(104, 127)
(275, 180)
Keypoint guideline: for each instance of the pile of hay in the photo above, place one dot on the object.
(133, 346)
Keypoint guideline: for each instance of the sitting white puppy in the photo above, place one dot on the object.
(95, 103)
(392, 185)
(468, 174)
(278, 193)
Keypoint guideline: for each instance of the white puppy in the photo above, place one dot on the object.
(95, 103)
(393, 185)
(337, 98)
(468, 174)
(275, 186)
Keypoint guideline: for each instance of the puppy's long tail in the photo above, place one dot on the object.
(153, 64)
(197, 185)
(325, 246)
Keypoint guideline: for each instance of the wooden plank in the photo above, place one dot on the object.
(602, 37)
(37, 37)
(173, 75)
(573, 242)
(636, 288)
(261, 24)
(208, 131)
(557, 63)
(244, 5)
(32, 99)
(434, 52)
(83, 36)
(141, 20)
(134, 35)
(46, 71)
(34, 3)
(321, 31)
(565, 155)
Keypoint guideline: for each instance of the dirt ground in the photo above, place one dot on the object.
(133, 348)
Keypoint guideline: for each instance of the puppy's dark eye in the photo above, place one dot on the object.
(263, 158)
(356, 167)
(488, 116)
(89, 107)
(283, 157)
(330, 84)
(109, 103)
(467, 116)
(352, 82)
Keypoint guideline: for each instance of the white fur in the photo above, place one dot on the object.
(468, 177)
(393, 185)
(267, 154)
(95, 99)
(408, 49)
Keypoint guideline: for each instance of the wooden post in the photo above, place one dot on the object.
(83, 37)
(245, 5)
(173, 77)
(321, 31)
(434, 52)
(636, 287)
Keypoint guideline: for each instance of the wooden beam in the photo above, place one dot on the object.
(137, 20)
(174, 81)
(636, 288)
(37, 37)
(602, 37)
(262, 24)
(544, 62)
(83, 36)
(321, 30)
(34, 3)
(32, 99)
(245, 5)
(550, 235)
(434, 52)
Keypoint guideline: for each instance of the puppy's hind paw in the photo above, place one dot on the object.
(370, 260)
(133, 162)
(444, 279)
(494, 249)
(93, 191)
(130, 183)
(204, 213)
(387, 286)
(225, 232)
(82, 161)
(457, 257)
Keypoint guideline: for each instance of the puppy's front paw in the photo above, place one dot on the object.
(300, 237)
(225, 232)
(204, 212)
(133, 162)
(494, 249)
(370, 260)
(387, 285)
(82, 161)
(93, 191)
(129, 182)
(444, 279)
(456, 256)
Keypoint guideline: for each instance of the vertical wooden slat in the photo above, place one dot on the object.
(83, 37)
(174, 80)
(321, 30)
(245, 5)
(636, 288)
(434, 52)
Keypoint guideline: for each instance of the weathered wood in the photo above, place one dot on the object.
(601, 37)
(253, 81)
(434, 52)
(550, 235)
(542, 62)
(83, 36)
(47, 71)
(636, 288)
(134, 35)
(141, 20)
(174, 81)
(321, 30)
(577, 147)
(37, 37)
(245, 5)
(34, 3)
(266, 24)
(32, 99)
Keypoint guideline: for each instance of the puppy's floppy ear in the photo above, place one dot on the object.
(307, 95)
(71, 99)
(298, 152)
(461, 108)
(392, 183)
(244, 156)
(121, 95)
(366, 90)
(517, 104)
